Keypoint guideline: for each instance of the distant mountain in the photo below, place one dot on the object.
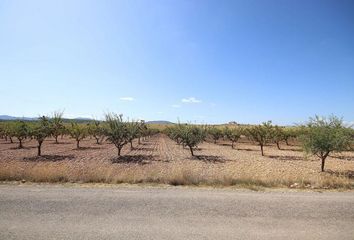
(11, 118)
(160, 122)
(82, 119)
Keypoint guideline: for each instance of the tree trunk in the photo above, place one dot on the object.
(278, 145)
(323, 163)
(139, 140)
(262, 150)
(232, 144)
(78, 144)
(214, 141)
(5, 138)
(39, 148)
(97, 140)
(119, 149)
(191, 149)
(11, 141)
(56, 139)
(286, 141)
(131, 145)
(20, 145)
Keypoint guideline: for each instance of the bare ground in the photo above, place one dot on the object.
(160, 160)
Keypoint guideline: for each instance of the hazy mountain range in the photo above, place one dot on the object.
(11, 118)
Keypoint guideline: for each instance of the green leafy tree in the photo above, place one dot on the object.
(325, 135)
(233, 134)
(78, 132)
(96, 130)
(290, 133)
(142, 130)
(261, 134)
(191, 136)
(175, 132)
(215, 133)
(21, 131)
(117, 131)
(278, 135)
(5, 131)
(40, 131)
(133, 129)
(57, 125)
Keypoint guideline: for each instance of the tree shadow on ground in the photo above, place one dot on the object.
(247, 149)
(225, 144)
(49, 158)
(137, 159)
(147, 149)
(287, 158)
(61, 143)
(24, 148)
(292, 149)
(348, 158)
(208, 158)
(87, 148)
(349, 173)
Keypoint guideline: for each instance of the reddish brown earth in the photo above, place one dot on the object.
(161, 160)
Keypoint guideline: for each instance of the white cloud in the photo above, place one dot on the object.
(129, 99)
(191, 100)
(176, 106)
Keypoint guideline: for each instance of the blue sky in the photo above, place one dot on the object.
(200, 61)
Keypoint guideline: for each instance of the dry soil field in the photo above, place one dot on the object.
(160, 160)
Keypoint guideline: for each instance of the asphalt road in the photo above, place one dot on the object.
(60, 212)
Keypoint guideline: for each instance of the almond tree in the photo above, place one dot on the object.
(261, 134)
(175, 132)
(40, 131)
(96, 130)
(233, 134)
(133, 129)
(57, 125)
(289, 133)
(278, 135)
(191, 136)
(215, 133)
(117, 131)
(21, 131)
(323, 136)
(142, 130)
(78, 132)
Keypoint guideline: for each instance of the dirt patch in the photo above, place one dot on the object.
(160, 160)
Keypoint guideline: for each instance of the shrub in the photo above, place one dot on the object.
(323, 136)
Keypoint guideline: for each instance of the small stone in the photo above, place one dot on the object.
(23, 181)
(294, 185)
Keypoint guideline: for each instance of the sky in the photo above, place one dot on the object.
(193, 61)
